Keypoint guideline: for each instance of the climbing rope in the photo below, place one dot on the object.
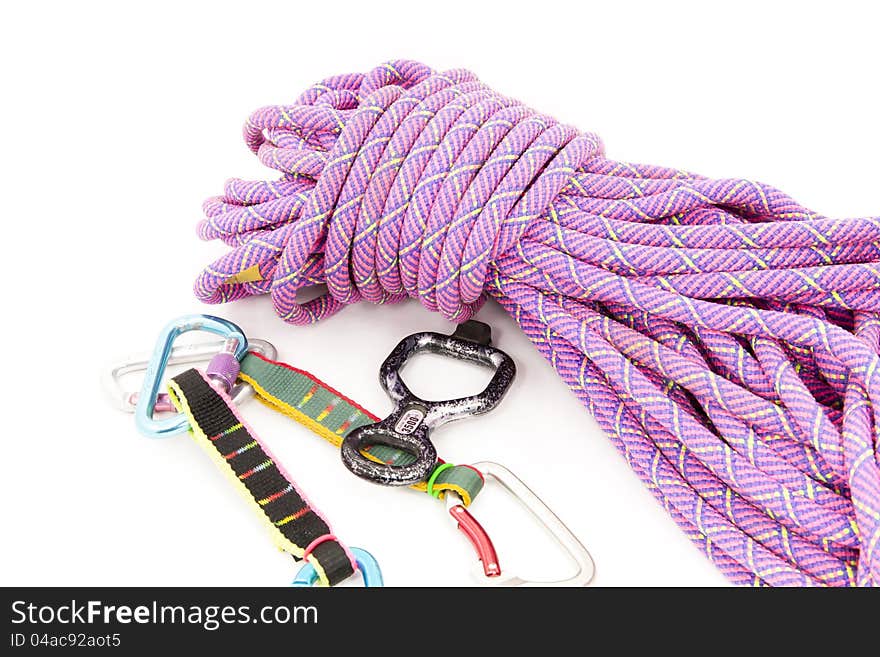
(723, 335)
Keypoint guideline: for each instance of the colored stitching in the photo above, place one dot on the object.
(294, 516)
(274, 496)
(225, 432)
(240, 450)
(262, 466)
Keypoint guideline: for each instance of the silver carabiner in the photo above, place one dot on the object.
(126, 400)
(558, 530)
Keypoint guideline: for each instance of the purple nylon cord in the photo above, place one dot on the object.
(725, 337)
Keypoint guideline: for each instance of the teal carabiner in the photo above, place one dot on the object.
(159, 361)
(366, 563)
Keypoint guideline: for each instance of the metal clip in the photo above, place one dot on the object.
(159, 361)
(409, 426)
(490, 573)
(184, 354)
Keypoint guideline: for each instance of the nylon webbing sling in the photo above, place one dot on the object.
(330, 414)
(295, 526)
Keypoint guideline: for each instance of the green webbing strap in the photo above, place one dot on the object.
(217, 427)
(330, 414)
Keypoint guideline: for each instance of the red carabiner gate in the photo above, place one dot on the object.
(475, 533)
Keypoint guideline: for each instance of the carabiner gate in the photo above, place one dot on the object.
(490, 572)
(475, 533)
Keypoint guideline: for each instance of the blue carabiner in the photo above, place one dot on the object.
(366, 563)
(159, 361)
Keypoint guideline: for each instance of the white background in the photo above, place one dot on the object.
(118, 121)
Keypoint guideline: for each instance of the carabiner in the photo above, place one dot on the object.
(366, 563)
(551, 522)
(184, 354)
(235, 343)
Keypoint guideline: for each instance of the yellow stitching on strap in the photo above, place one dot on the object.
(179, 400)
(291, 412)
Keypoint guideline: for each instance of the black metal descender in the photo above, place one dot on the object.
(409, 426)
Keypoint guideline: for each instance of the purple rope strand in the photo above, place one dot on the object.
(725, 337)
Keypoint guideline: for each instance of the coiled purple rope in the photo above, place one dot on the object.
(723, 335)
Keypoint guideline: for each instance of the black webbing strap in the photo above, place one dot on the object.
(216, 425)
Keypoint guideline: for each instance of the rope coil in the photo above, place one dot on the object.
(723, 335)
